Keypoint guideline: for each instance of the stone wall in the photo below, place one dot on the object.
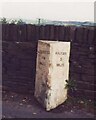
(19, 56)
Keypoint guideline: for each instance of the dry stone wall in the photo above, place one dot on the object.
(19, 46)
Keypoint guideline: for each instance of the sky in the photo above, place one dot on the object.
(80, 10)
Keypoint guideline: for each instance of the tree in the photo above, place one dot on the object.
(4, 20)
(13, 22)
(20, 22)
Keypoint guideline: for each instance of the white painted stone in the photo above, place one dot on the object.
(52, 70)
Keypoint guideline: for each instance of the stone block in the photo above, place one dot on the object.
(52, 71)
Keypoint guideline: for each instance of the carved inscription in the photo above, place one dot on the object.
(60, 53)
(57, 53)
(43, 52)
(60, 62)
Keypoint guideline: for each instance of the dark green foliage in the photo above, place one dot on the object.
(71, 84)
(20, 22)
(4, 21)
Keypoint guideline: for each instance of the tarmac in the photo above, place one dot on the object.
(16, 105)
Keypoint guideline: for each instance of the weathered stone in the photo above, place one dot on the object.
(52, 71)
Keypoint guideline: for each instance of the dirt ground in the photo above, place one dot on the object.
(16, 105)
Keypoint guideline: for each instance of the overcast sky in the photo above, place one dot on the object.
(66, 11)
